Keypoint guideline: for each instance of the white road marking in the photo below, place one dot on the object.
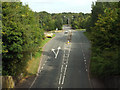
(66, 65)
(58, 88)
(33, 81)
(65, 71)
(56, 54)
(86, 69)
(61, 88)
(42, 67)
(84, 57)
(44, 64)
(61, 68)
(63, 79)
(85, 60)
(60, 78)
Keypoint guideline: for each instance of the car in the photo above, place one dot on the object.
(49, 35)
(66, 32)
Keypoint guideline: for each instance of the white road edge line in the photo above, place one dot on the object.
(33, 82)
(60, 78)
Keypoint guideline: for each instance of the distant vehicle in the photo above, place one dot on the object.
(49, 35)
(66, 32)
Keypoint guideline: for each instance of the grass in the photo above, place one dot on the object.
(80, 29)
(33, 64)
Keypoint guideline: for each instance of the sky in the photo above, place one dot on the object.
(59, 6)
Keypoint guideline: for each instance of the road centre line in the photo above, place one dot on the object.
(58, 88)
(66, 65)
(84, 57)
(86, 69)
(63, 79)
(61, 68)
(65, 71)
(60, 78)
(85, 60)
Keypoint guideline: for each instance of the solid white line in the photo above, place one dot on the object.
(60, 78)
(33, 82)
(61, 68)
(65, 71)
(63, 79)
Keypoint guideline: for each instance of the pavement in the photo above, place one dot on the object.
(64, 65)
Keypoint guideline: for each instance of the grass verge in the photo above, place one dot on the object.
(33, 64)
(80, 29)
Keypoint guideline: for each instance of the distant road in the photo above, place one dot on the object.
(70, 68)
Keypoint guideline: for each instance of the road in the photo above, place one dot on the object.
(70, 68)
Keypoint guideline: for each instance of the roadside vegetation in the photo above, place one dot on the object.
(22, 36)
(103, 30)
(33, 64)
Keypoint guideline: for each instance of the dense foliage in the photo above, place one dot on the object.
(21, 35)
(104, 30)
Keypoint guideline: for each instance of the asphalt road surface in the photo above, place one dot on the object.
(65, 64)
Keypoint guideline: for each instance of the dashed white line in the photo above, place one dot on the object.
(84, 57)
(42, 67)
(63, 79)
(58, 88)
(86, 69)
(66, 65)
(85, 60)
(60, 78)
